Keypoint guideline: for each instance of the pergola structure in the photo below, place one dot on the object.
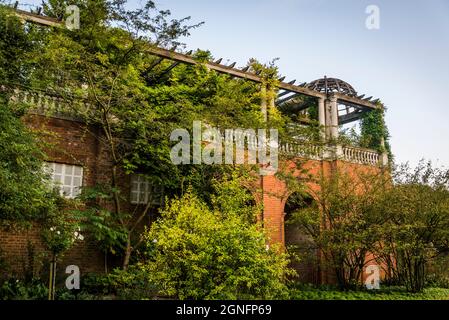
(338, 101)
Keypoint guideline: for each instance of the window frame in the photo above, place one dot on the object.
(140, 180)
(75, 190)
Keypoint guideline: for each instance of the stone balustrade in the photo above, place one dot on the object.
(56, 106)
(361, 156)
(349, 154)
(47, 104)
(310, 152)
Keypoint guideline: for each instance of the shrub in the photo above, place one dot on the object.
(197, 253)
(437, 281)
(15, 289)
(132, 284)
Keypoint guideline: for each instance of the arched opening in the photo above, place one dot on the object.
(298, 241)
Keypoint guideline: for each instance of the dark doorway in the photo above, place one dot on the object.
(298, 241)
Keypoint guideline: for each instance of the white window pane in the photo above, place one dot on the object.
(66, 191)
(67, 180)
(68, 170)
(76, 181)
(68, 177)
(142, 190)
(58, 168)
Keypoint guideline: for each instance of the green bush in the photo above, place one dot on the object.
(197, 253)
(64, 294)
(435, 280)
(15, 289)
(132, 284)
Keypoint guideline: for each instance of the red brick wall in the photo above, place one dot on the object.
(74, 143)
(14, 245)
(71, 143)
(275, 195)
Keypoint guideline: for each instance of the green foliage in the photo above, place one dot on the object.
(374, 131)
(99, 222)
(135, 108)
(15, 44)
(15, 289)
(24, 196)
(231, 198)
(385, 293)
(437, 280)
(197, 253)
(415, 227)
(342, 221)
(132, 284)
(60, 231)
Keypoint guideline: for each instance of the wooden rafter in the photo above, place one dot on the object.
(350, 117)
(38, 19)
(293, 96)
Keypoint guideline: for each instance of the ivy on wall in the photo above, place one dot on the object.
(373, 130)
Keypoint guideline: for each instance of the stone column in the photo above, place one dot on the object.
(328, 119)
(322, 118)
(334, 117)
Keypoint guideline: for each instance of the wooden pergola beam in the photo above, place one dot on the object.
(160, 52)
(293, 96)
(350, 117)
(38, 19)
(355, 101)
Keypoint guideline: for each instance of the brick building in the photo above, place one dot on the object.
(78, 160)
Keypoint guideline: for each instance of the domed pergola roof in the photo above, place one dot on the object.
(329, 85)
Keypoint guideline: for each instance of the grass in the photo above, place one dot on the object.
(385, 293)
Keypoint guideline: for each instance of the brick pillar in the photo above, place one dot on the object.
(273, 209)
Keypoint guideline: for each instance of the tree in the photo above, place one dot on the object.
(200, 252)
(103, 67)
(415, 229)
(343, 222)
(136, 105)
(24, 193)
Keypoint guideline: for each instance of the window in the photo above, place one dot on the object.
(68, 177)
(142, 191)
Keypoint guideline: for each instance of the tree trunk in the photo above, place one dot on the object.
(128, 251)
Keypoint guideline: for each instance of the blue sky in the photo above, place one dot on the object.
(405, 63)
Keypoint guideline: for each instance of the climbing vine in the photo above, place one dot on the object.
(373, 130)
